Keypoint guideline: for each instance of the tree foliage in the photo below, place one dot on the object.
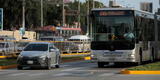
(52, 13)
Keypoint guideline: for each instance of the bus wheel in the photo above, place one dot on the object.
(152, 55)
(100, 64)
(140, 57)
(19, 67)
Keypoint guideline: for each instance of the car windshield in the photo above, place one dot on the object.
(36, 47)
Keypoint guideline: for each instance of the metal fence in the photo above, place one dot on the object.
(66, 47)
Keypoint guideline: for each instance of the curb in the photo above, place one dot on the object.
(7, 67)
(2, 57)
(139, 72)
(87, 58)
(74, 54)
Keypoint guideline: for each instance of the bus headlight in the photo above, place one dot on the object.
(131, 55)
(92, 55)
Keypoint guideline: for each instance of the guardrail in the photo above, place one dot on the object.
(12, 47)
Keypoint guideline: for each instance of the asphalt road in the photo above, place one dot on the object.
(82, 70)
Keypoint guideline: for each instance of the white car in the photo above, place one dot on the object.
(39, 54)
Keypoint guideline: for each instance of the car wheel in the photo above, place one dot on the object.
(48, 64)
(57, 66)
(19, 67)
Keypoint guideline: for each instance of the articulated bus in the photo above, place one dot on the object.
(122, 35)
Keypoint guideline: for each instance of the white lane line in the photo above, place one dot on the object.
(106, 74)
(17, 74)
(37, 74)
(62, 74)
(65, 65)
(72, 69)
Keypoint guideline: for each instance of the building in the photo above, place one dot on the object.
(64, 32)
(112, 4)
(146, 6)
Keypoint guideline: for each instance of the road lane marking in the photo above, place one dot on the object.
(72, 69)
(62, 74)
(17, 74)
(106, 74)
(37, 74)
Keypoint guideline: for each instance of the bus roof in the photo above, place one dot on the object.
(97, 9)
(79, 37)
(137, 12)
(52, 37)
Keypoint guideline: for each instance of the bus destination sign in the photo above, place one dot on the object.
(109, 13)
(114, 13)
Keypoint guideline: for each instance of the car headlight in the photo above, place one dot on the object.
(42, 57)
(20, 56)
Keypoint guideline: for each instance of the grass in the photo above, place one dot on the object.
(147, 67)
(5, 62)
(70, 59)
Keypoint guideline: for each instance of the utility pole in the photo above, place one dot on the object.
(88, 17)
(63, 14)
(79, 17)
(23, 13)
(41, 13)
(93, 6)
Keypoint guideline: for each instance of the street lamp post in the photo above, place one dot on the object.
(41, 13)
(93, 4)
(23, 13)
(63, 14)
(79, 17)
(88, 17)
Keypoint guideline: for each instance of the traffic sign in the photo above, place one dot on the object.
(22, 31)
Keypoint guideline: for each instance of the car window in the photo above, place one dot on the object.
(36, 47)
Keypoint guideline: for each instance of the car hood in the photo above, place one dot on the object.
(33, 53)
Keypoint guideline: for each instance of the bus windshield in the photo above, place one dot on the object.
(113, 28)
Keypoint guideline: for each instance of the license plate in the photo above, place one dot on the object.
(111, 59)
(30, 62)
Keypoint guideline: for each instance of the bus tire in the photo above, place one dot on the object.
(19, 67)
(152, 55)
(140, 57)
(100, 64)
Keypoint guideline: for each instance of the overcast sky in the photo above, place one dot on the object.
(133, 3)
